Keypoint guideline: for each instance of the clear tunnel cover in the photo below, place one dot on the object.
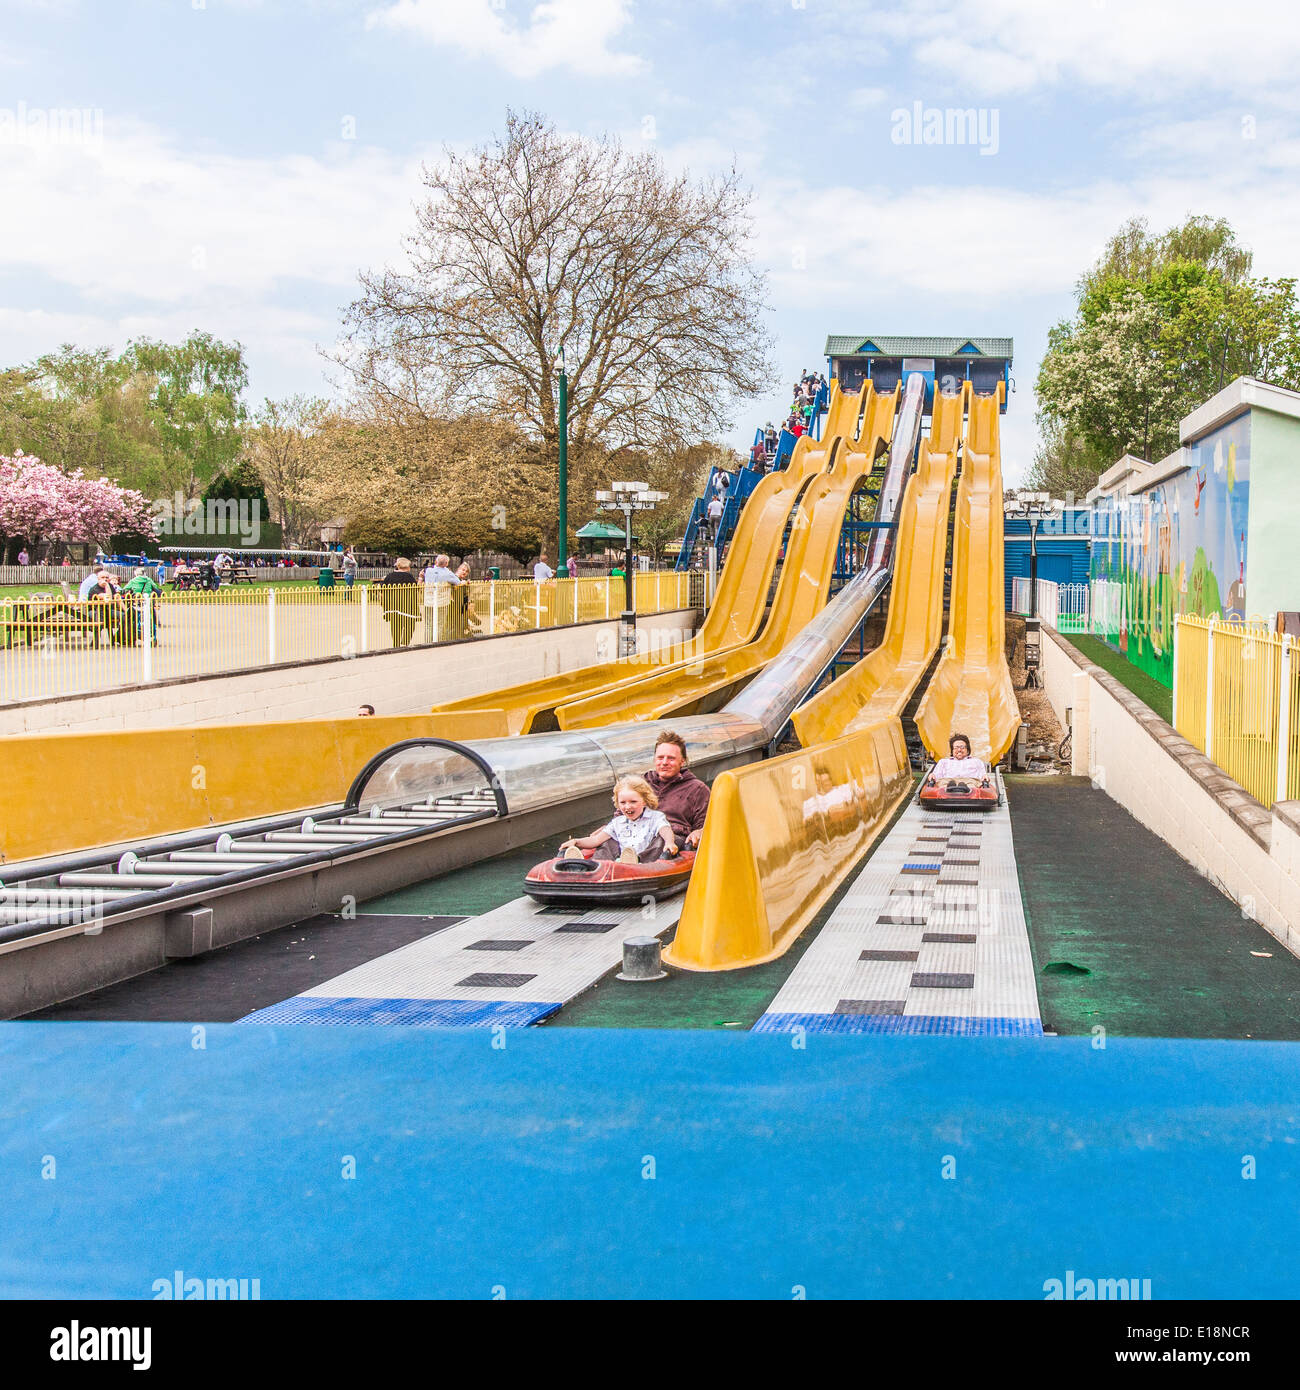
(414, 773)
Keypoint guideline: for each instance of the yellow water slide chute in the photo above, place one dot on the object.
(733, 618)
(880, 685)
(804, 587)
(971, 690)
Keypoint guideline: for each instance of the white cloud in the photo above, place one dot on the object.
(1145, 48)
(572, 34)
(138, 236)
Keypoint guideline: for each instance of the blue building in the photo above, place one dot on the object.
(1063, 547)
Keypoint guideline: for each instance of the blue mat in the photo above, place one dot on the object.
(545, 1163)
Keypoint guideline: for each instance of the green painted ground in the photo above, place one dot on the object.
(1152, 694)
(1124, 934)
(467, 892)
(687, 999)
(1127, 935)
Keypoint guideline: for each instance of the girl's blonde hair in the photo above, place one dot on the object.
(641, 787)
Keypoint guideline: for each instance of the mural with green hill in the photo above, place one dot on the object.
(1179, 546)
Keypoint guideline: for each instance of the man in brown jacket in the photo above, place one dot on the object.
(683, 798)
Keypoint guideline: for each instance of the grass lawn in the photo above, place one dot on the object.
(1149, 691)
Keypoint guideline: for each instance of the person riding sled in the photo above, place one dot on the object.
(639, 834)
(958, 766)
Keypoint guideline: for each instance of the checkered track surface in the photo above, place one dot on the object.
(932, 929)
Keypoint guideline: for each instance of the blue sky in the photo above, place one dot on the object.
(241, 160)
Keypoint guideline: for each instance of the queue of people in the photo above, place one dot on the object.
(800, 419)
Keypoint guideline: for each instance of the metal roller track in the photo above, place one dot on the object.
(85, 890)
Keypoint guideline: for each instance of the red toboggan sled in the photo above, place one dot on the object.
(959, 794)
(606, 880)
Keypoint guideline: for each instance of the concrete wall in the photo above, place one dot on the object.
(1248, 851)
(395, 682)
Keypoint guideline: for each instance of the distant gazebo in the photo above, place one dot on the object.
(596, 537)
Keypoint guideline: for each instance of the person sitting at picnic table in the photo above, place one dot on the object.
(127, 624)
(90, 586)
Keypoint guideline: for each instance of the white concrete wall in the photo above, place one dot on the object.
(1250, 852)
(395, 682)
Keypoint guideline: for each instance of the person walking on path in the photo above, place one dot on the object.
(349, 570)
(401, 602)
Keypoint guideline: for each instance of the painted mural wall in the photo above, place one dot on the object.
(1178, 547)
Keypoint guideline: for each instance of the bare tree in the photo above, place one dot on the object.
(282, 446)
(541, 241)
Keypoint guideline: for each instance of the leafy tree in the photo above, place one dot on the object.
(196, 388)
(1163, 322)
(42, 504)
(1063, 465)
(84, 408)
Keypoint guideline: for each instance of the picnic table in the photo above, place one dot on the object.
(205, 575)
(45, 618)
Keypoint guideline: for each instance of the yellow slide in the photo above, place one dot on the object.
(732, 620)
(802, 591)
(881, 684)
(971, 691)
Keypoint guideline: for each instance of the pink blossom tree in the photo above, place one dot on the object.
(42, 504)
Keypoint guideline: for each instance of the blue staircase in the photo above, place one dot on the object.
(743, 482)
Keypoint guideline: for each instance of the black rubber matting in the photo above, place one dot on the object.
(228, 983)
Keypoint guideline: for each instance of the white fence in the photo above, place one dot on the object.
(1071, 607)
(54, 576)
(52, 645)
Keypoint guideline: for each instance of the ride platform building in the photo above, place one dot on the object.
(885, 361)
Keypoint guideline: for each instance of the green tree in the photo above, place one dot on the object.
(196, 388)
(1163, 322)
(84, 408)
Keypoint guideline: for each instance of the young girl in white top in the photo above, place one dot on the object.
(633, 831)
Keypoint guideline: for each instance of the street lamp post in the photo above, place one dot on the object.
(628, 498)
(564, 465)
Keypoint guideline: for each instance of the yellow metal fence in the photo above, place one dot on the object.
(1237, 698)
(51, 645)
